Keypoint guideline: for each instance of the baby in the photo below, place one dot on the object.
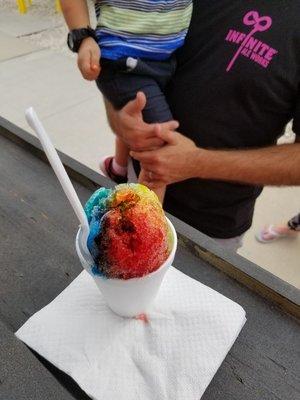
(136, 40)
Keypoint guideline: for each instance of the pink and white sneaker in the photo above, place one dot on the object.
(271, 233)
(107, 170)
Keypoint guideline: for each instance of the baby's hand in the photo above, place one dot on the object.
(89, 59)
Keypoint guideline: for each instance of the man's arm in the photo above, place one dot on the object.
(276, 165)
(180, 159)
(76, 15)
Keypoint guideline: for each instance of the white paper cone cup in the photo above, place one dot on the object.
(131, 297)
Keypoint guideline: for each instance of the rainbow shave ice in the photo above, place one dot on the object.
(129, 234)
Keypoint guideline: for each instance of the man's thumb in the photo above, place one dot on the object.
(137, 105)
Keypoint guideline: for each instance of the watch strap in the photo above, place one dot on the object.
(78, 35)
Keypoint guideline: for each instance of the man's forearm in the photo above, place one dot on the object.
(76, 13)
(276, 165)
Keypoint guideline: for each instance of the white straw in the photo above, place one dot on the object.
(60, 172)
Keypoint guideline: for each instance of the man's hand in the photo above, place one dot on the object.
(172, 163)
(129, 125)
(89, 59)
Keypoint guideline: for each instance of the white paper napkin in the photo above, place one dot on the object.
(174, 356)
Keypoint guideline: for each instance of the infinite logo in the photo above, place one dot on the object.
(250, 47)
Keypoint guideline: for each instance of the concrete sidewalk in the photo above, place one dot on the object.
(35, 71)
(71, 109)
(282, 258)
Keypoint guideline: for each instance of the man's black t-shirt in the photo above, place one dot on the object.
(237, 86)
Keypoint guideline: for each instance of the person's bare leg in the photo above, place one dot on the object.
(121, 153)
(115, 167)
(121, 149)
(160, 192)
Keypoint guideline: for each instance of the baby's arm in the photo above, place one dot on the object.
(77, 16)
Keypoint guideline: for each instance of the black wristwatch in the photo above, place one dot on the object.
(76, 36)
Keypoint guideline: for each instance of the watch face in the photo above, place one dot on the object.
(70, 41)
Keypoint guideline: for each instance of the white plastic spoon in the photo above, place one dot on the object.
(64, 180)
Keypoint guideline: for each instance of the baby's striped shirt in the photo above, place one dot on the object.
(147, 29)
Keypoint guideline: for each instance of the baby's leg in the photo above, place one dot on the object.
(115, 167)
(121, 152)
